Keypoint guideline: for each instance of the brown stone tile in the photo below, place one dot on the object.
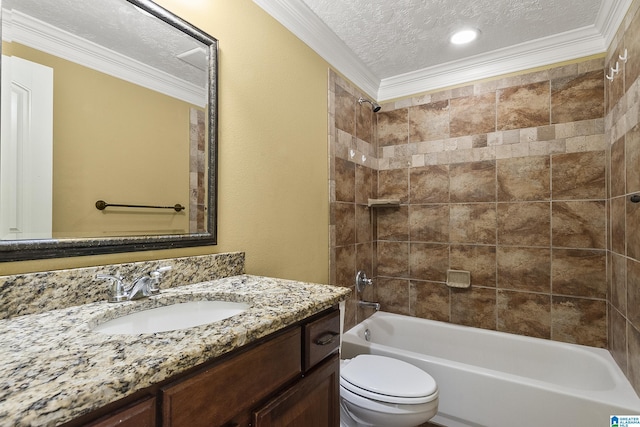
(393, 223)
(364, 231)
(473, 223)
(350, 311)
(618, 214)
(473, 182)
(392, 127)
(474, 307)
(579, 321)
(580, 273)
(473, 115)
(618, 339)
(364, 184)
(480, 261)
(393, 295)
(479, 141)
(525, 269)
(618, 296)
(577, 98)
(392, 259)
(632, 159)
(393, 184)
(429, 223)
(429, 261)
(429, 300)
(633, 229)
(364, 257)
(345, 221)
(524, 178)
(633, 291)
(345, 257)
(634, 362)
(345, 111)
(428, 122)
(524, 313)
(617, 170)
(578, 175)
(578, 224)
(429, 184)
(364, 123)
(523, 106)
(345, 180)
(524, 224)
(632, 44)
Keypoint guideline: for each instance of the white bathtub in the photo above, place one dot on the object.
(495, 379)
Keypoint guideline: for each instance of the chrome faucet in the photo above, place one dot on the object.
(369, 304)
(363, 281)
(142, 287)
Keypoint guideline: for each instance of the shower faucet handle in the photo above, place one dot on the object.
(362, 281)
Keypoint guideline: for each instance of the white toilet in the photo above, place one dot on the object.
(386, 392)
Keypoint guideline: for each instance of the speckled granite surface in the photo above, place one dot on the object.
(53, 368)
(52, 290)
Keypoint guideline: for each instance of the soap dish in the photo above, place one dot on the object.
(458, 279)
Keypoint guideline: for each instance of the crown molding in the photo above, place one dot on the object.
(298, 18)
(548, 50)
(31, 32)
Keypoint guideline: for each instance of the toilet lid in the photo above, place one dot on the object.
(387, 379)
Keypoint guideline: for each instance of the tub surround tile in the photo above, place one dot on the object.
(43, 343)
(394, 184)
(472, 182)
(392, 127)
(364, 184)
(524, 224)
(618, 283)
(523, 106)
(471, 115)
(633, 372)
(345, 110)
(36, 293)
(579, 273)
(632, 225)
(632, 44)
(428, 261)
(578, 224)
(345, 222)
(473, 223)
(429, 184)
(429, 223)
(480, 261)
(618, 214)
(579, 321)
(524, 178)
(363, 224)
(392, 259)
(632, 159)
(618, 339)
(393, 295)
(577, 97)
(474, 307)
(633, 291)
(393, 223)
(428, 122)
(345, 262)
(579, 175)
(618, 173)
(525, 269)
(429, 300)
(364, 123)
(524, 314)
(345, 180)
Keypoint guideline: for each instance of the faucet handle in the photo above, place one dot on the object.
(118, 293)
(362, 280)
(156, 275)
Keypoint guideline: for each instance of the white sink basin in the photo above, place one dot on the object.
(171, 317)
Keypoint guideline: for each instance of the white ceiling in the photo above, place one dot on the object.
(396, 48)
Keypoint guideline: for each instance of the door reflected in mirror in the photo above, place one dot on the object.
(105, 100)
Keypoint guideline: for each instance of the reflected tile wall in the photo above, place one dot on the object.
(622, 106)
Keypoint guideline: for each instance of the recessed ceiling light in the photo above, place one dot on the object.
(464, 36)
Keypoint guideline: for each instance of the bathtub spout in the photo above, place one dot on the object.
(369, 304)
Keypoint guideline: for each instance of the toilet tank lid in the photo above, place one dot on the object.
(388, 376)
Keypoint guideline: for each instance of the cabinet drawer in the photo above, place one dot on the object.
(215, 395)
(140, 414)
(321, 338)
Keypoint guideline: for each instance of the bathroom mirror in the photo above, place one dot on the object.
(109, 127)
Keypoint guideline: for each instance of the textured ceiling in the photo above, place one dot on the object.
(393, 37)
(121, 27)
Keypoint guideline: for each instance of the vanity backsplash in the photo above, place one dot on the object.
(34, 293)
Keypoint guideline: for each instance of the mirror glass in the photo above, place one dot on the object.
(108, 129)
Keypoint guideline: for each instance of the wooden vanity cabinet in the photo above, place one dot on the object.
(289, 379)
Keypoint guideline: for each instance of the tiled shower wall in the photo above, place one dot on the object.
(623, 134)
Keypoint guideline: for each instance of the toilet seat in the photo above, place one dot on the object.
(387, 380)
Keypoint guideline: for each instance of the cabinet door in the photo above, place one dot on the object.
(142, 414)
(311, 402)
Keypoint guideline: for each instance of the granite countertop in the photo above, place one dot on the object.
(54, 368)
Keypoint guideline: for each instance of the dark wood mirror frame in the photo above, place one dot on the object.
(19, 250)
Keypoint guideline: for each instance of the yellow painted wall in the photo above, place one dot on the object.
(273, 191)
(114, 141)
